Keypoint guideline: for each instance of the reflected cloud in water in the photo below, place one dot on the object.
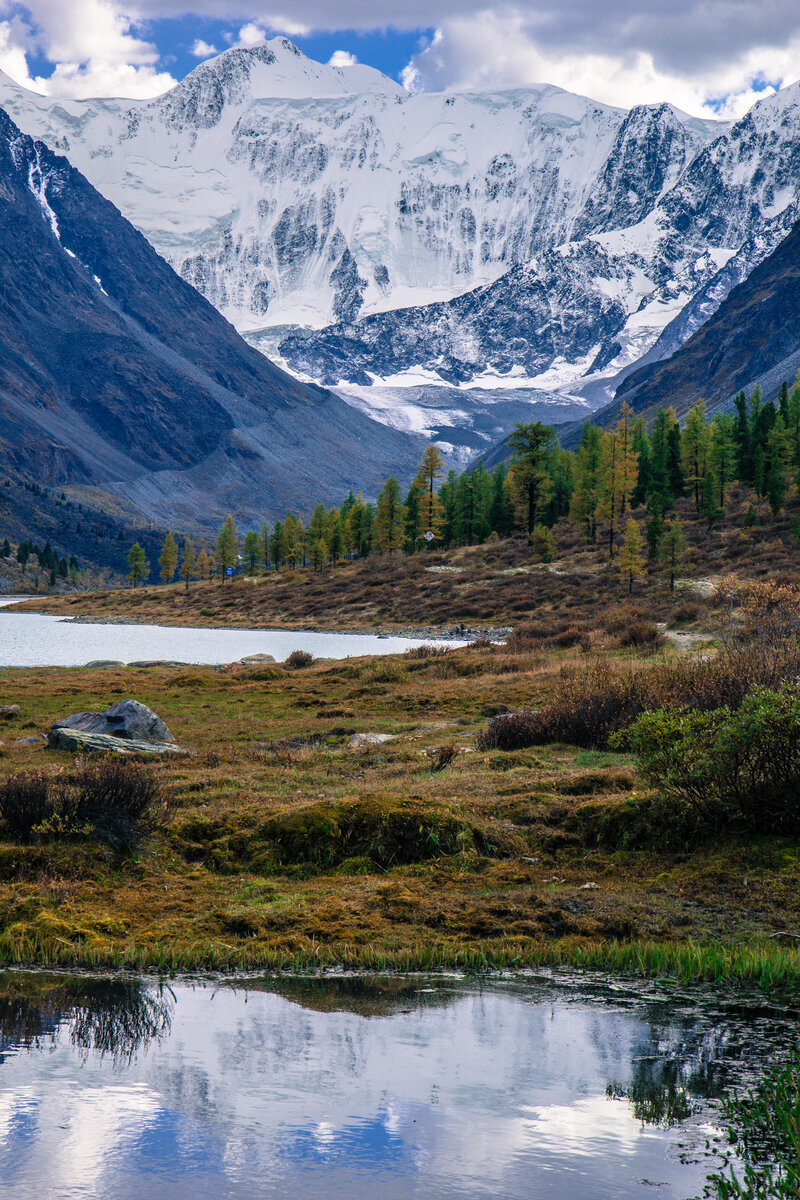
(361, 1087)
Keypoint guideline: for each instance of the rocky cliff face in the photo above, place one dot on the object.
(754, 337)
(115, 373)
(526, 236)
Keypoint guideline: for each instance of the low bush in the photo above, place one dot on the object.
(533, 635)
(25, 801)
(733, 768)
(113, 801)
(119, 801)
(685, 613)
(641, 635)
(589, 706)
(298, 659)
(426, 650)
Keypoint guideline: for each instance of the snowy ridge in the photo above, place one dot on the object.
(526, 235)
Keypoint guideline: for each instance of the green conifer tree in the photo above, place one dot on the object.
(251, 552)
(389, 527)
(673, 549)
(138, 566)
(533, 446)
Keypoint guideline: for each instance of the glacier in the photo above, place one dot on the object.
(373, 239)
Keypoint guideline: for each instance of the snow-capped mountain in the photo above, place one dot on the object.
(525, 238)
(117, 377)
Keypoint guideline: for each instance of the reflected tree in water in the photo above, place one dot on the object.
(118, 1017)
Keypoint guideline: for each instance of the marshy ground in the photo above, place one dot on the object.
(291, 841)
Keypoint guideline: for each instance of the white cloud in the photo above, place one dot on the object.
(202, 49)
(702, 55)
(251, 35)
(342, 58)
(93, 47)
(501, 49)
(13, 62)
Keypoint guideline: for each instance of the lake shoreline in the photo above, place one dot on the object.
(415, 632)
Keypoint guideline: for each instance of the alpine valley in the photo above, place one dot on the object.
(445, 261)
(118, 376)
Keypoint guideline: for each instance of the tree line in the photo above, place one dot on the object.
(47, 558)
(612, 474)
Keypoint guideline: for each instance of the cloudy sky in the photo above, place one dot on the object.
(709, 57)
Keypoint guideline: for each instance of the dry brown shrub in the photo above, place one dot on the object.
(760, 629)
(643, 635)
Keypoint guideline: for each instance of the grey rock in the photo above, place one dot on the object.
(371, 739)
(129, 720)
(10, 712)
(62, 738)
(31, 741)
(105, 662)
(257, 658)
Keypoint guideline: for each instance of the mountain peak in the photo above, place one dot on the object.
(277, 69)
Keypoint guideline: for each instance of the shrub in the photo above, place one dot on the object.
(732, 768)
(298, 659)
(685, 613)
(643, 635)
(25, 802)
(532, 635)
(426, 650)
(760, 648)
(118, 800)
(760, 630)
(543, 542)
(589, 706)
(113, 801)
(569, 637)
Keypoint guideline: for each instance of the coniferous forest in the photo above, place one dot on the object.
(598, 488)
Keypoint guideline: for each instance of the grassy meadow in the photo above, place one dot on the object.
(288, 840)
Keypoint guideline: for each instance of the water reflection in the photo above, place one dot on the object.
(117, 1017)
(354, 1088)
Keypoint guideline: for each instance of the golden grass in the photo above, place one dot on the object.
(286, 846)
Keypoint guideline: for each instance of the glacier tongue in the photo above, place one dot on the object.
(458, 237)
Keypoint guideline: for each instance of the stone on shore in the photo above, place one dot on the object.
(256, 658)
(105, 662)
(10, 712)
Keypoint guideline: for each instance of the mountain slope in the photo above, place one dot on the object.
(115, 373)
(754, 337)
(370, 234)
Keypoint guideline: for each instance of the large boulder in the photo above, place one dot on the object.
(129, 720)
(80, 740)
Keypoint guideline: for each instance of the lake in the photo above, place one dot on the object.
(34, 640)
(352, 1088)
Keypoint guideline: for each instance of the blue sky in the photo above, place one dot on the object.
(708, 57)
(389, 51)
